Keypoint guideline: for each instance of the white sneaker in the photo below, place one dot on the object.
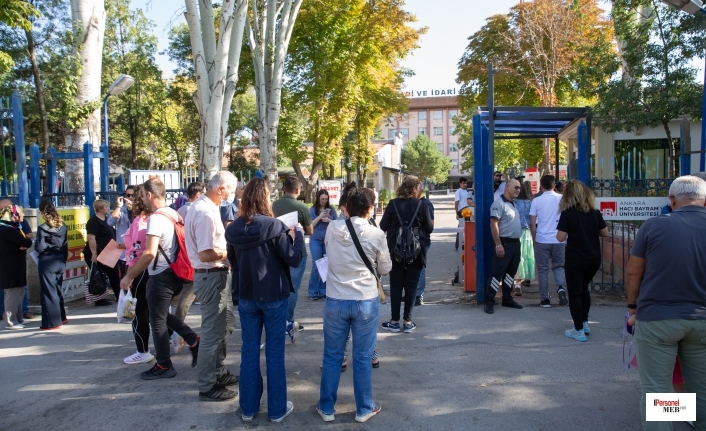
(177, 343)
(17, 326)
(290, 407)
(576, 335)
(139, 358)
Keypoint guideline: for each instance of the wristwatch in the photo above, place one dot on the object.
(498, 246)
(632, 306)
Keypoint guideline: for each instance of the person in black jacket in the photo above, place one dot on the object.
(53, 249)
(405, 276)
(13, 255)
(261, 249)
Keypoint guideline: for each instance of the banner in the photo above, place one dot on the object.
(532, 175)
(630, 208)
(334, 190)
(75, 219)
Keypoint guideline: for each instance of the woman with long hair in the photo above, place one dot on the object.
(406, 209)
(352, 304)
(261, 249)
(53, 248)
(321, 216)
(583, 224)
(13, 255)
(525, 272)
(135, 239)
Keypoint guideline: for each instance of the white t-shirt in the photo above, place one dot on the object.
(461, 197)
(499, 191)
(377, 195)
(161, 226)
(203, 230)
(546, 209)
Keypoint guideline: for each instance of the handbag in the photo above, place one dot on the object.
(90, 298)
(366, 261)
(98, 281)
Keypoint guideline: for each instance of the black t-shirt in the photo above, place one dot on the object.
(582, 227)
(103, 233)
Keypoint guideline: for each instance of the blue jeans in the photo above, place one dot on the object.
(317, 287)
(340, 317)
(253, 316)
(297, 275)
(423, 275)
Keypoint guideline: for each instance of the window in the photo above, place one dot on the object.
(391, 133)
(453, 113)
(440, 147)
(452, 129)
(422, 115)
(405, 132)
(453, 148)
(438, 131)
(454, 163)
(438, 115)
(422, 130)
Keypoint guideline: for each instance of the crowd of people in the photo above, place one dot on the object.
(225, 248)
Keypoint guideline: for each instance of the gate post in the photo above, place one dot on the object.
(582, 152)
(34, 176)
(104, 168)
(90, 194)
(51, 170)
(685, 143)
(20, 153)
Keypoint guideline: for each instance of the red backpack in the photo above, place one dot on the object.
(182, 265)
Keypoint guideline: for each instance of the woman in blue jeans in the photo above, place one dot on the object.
(261, 249)
(321, 215)
(352, 304)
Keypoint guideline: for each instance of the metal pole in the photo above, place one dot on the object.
(105, 118)
(556, 157)
(20, 152)
(702, 165)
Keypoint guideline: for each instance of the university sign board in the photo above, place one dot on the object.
(75, 219)
(637, 208)
(334, 190)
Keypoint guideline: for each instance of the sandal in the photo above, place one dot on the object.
(376, 364)
(344, 367)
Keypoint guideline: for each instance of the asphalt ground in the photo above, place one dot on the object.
(460, 369)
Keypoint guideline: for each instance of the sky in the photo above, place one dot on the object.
(435, 63)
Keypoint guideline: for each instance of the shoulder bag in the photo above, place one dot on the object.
(366, 261)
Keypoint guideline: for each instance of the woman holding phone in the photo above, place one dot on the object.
(321, 215)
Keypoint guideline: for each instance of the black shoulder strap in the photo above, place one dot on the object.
(358, 247)
(415, 212)
(397, 212)
(159, 247)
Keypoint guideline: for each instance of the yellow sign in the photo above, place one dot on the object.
(75, 219)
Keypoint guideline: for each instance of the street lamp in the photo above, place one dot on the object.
(122, 83)
(695, 7)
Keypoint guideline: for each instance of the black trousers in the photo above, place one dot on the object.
(503, 272)
(161, 288)
(404, 279)
(51, 276)
(579, 273)
(141, 322)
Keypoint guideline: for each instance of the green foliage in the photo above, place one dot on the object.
(385, 196)
(658, 83)
(15, 14)
(423, 158)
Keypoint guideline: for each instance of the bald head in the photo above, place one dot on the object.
(5, 202)
(512, 189)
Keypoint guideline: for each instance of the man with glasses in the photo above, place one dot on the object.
(506, 230)
(498, 185)
(120, 219)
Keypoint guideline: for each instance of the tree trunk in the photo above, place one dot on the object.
(671, 150)
(39, 89)
(88, 17)
(308, 184)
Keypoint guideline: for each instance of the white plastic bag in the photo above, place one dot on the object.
(126, 307)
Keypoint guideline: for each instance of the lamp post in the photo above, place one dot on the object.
(122, 83)
(695, 7)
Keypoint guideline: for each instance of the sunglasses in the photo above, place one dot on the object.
(129, 195)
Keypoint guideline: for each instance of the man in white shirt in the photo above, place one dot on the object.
(498, 185)
(460, 202)
(206, 244)
(163, 284)
(544, 216)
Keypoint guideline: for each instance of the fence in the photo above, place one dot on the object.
(14, 168)
(610, 279)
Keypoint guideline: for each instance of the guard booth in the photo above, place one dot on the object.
(512, 122)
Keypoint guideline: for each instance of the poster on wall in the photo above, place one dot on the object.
(630, 208)
(334, 190)
(75, 219)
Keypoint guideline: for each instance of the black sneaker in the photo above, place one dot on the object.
(217, 393)
(512, 304)
(159, 372)
(301, 328)
(489, 308)
(562, 297)
(545, 303)
(103, 303)
(227, 379)
(195, 352)
(418, 301)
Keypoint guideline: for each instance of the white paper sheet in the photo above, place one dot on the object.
(35, 256)
(290, 219)
(322, 266)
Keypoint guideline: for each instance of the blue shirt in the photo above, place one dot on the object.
(523, 207)
(121, 224)
(320, 228)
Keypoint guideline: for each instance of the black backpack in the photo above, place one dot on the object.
(407, 246)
